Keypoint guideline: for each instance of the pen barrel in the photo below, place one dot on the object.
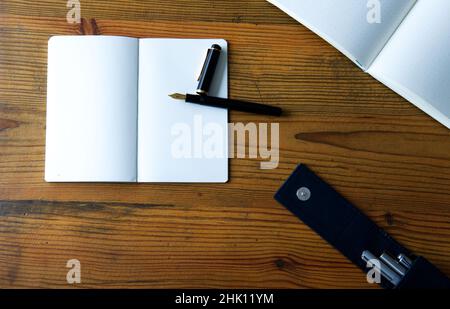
(243, 106)
(254, 108)
(209, 69)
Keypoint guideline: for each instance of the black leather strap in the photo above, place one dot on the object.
(349, 230)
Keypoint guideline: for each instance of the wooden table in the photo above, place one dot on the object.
(383, 154)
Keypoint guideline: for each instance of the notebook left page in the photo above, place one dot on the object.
(91, 109)
(357, 28)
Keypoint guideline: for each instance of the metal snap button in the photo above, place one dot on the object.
(303, 194)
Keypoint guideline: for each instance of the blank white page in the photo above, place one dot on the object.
(167, 66)
(91, 109)
(344, 23)
(416, 62)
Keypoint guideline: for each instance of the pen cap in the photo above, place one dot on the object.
(209, 68)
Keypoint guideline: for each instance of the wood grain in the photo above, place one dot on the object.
(379, 151)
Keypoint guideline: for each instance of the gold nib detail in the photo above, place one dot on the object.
(178, 96)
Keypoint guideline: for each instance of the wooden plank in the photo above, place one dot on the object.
(382, 153)
(232, 11)
(151, 245)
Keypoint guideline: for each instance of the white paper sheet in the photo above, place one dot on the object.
(416, 62)
(91, 109)
(344, 23)
(167, 66)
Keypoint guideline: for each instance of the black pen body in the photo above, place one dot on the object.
(243, 106)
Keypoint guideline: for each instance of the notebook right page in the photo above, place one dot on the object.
(416, 61)
(178, 141)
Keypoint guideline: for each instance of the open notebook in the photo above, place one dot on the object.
(109, 116)
(408, 51)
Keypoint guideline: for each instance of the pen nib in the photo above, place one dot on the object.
(178, 96)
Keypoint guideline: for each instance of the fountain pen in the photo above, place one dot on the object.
(243, 106)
